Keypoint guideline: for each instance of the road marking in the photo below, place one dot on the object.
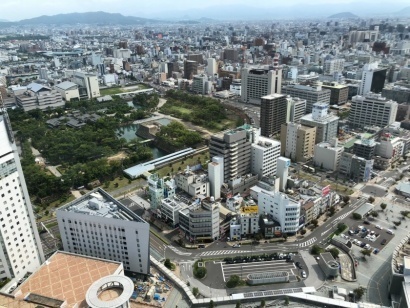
(308, 242)
(223, 273)
(174, 249)
(323, 233)
(222, 252)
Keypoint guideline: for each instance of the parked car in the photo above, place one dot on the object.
(360, 227)
(366, 222)
(384, 241)
(351, 232)
(367, 246)
(379, 227)
(298, 265)
(236, 246)
(389, 231)
(362, 245)
(376, 251)
(303, 273)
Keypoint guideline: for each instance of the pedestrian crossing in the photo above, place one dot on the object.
(174, 249)
(221, 252)
(308, 242)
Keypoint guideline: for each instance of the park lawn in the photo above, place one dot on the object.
(181, 110)
(121, 181)
(189, 161)
(111, 91)
(224, 125)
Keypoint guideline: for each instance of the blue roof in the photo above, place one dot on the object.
(36, 87)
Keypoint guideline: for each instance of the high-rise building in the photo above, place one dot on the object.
(21, 251)
(312, 94)
(259, 82)
(43, 73)
(297, 141)
(282, 171)
(296, 108)
(215, 174)
(234, 146)
(326, 123)
(273, 114)
(373, 78)
(99, 226)
(265, 153)
(339, 93)
(356, 168)
(160, 189)
(199, 84)
(372, 110)
(190, 69)
(87, 84)
(212, 67)
(197, 57)
(231, 54)
(364, 148)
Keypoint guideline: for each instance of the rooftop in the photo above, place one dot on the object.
(329, 118)
(66, 277)
(99, 203)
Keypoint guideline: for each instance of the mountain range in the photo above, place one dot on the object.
(210, 14)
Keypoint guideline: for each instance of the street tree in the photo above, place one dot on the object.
(365, 252)
(359, 292)
(383, 206)
(315, 222)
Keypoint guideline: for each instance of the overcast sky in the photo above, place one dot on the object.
(21, 9)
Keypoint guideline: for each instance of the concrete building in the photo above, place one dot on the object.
(259, 82)
(327, 155)
(199, 84)
(372, 110)
(312, 94)
(339, 93)
(399, 94)
(231, 54)
(192, 183)
(282, 171)
(212, 67)
(169, 211)
(265, 153)
(273, 114)
(246, 222)
(296, 109)
(373, 79)
(236, 87)
(326, 123)
(234, 146)
(328, 265)
(297, 141)
(68, 90)
(190, 69)
(355, 167)
(21, 251)
(283, 209)
(364, 148)
(99, 226)
(333, 65)
(357, 36)
(43, 73)
(40, 97)
(87, 84)
(159, 190)
(388, 150)
(201, 221)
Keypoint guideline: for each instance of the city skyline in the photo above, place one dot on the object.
(184, 9)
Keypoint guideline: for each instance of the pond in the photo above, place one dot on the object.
(128, 132)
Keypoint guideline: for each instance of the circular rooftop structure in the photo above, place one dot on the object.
(110, 291)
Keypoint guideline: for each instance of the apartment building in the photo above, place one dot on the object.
(200, 84)
(234, 147)
(265, 153)
(356, 168)
(190, 69)
(365, 148)
(333, 65)
(339, 93)
(297, 141)
(259, 82)
(372, 110)
(98, 225)
(21, 251)
(159, 190)
(296, 109)
(273, 114)
(192, 183)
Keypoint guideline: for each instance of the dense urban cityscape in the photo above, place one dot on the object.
(201, 162)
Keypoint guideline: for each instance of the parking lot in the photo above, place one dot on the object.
(244, 269)
(368, 234)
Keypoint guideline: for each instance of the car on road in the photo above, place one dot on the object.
(298, 265)
(379, 227)
(389, 231)
(303, 273)
(376, 251)
(236, 246)
(366, 222)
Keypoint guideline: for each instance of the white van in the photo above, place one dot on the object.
(389, 231)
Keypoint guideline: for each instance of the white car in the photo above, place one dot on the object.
(367, 247)
(379, 227)
(360, 228)
(389, 231)
(237, 246)
(303, 274)
(367, 237)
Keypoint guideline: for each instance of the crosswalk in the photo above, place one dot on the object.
(174, 249)
(308, 242)
(221, 252)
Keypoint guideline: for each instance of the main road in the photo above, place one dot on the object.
(222, 249)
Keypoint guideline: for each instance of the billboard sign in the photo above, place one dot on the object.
(325, 190)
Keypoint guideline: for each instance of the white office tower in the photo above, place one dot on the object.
(96, 59)
(56, 62)
(97, 225)
(296, 108)
(219, 160)
(265, 153)
(283, 209)
(215, 174)
(21, 250)
(282, 170)
(372, 110)
(333, 65)
(212, 67)
(260, 82)
(43, 73)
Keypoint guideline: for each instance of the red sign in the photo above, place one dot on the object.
(325, 190)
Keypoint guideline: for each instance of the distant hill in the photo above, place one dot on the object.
(403, 12)
(85, 18)
(344, 15)
(206, 19)
(3, 20)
